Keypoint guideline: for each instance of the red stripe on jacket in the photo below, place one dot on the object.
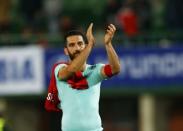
(108, 70)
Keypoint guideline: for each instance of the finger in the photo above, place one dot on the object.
(113, 26)
(110, 32)
(89, 30)
(90, 27)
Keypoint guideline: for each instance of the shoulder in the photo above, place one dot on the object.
(58, 66)
(60, 63)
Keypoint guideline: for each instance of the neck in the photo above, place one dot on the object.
(83, 67)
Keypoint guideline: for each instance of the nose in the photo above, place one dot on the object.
(77, 47)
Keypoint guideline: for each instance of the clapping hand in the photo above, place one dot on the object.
(89, 34)
(109, 34)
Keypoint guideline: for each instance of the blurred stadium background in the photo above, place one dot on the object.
(146, 96)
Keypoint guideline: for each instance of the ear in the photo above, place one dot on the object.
(66, 51)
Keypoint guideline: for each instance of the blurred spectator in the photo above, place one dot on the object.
(127, 19)
(135, 16)
(4, 15)
(3, 124)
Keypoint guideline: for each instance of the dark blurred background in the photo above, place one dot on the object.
(139, 22)
(146, 96)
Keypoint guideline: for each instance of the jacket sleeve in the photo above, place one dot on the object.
(52, 100)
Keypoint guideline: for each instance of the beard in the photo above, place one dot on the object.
(74, 55)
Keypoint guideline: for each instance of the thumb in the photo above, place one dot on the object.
(90, 28)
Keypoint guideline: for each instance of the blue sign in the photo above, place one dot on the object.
(21, 70)
(13, 70)
(141, 67)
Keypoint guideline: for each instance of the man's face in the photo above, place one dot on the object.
(75, 44)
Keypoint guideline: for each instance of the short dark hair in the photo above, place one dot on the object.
(75, 32)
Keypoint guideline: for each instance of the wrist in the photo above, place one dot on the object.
(108, 43)
(90, 44)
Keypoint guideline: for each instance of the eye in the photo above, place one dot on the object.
(80, 43)
(71, 44)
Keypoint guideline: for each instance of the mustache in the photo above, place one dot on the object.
(77, 52)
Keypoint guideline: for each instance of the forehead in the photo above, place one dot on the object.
(74, 38)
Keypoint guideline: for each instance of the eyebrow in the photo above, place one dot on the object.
(80, 42)
(74, 42)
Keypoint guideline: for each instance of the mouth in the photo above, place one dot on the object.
(76, 54)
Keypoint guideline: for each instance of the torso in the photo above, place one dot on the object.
(80, 106)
